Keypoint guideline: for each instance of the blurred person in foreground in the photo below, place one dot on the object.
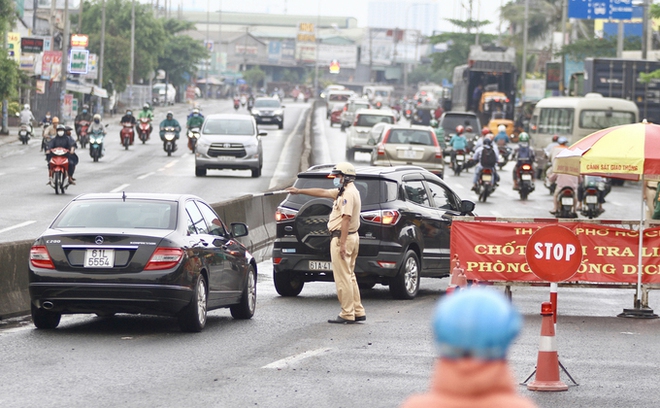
(473, 329)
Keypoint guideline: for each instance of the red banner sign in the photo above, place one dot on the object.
(495, 251)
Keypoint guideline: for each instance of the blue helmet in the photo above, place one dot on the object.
(562, 140)
(476, 322)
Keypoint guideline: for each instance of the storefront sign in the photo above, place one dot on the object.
(32, 45)
(78, 61)
(51, 65)
(79, 41)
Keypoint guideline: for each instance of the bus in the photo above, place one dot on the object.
(577, 117)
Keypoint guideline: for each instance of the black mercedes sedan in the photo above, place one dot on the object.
(159, 254)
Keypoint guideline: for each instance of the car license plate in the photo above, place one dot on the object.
(226, 158)
(526, 177)
(486, 177)
(567, 201)
(447, 159)
(320, 266)
(591, 199)
(99, 258)
(408, 154)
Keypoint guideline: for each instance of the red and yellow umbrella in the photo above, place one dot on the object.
(627, 151)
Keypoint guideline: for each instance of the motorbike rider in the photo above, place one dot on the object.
(457, 142)
(562, 144)
(523, 154)
(47, 120)
(561, 181)
(50, 132)
(439, 133)
(169, 122)
(250, 102)
(146, 113)
(26, 117)
(476, 159)
(128, 118)
(84, 115)
(73, 157)
(62, 140)
(555, 142)
(582, 188)
(195, 120)
(97, 127)
(501, 138)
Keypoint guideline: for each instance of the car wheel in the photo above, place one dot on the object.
(245, 309)
(287, 284)
(44, 319)
(193, 317)
(200, 171)
(405, 284)
(281, 125)
(256, 172)
(350, 154)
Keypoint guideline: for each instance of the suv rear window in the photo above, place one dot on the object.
(370, 120)
(371, 190)
(449, 122)
(355, 106)
(409, 136)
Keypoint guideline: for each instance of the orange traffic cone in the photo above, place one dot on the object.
(547, 364)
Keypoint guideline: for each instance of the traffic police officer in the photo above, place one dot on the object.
(343, 224)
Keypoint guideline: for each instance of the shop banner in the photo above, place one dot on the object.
(51, 65)
(495, 251)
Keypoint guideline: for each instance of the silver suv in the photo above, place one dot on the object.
(229, 141)
(358, 136)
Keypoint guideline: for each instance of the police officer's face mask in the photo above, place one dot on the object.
(337, 181)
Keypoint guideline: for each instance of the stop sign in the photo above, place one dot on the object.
(553, 253)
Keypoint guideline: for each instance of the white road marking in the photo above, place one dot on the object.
(285, 159)
(120, 188)
(144, 176)
(288, 361)
(23, 224)
(172, 163)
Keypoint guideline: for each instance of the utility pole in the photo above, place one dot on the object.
(65, 56)
(645, 30)
(208, 62)
(35, 7)
(316, 59)
(80, 10)
(99, 108)
(564, 18)
(132, 67)
(5, 102)
(524, 55)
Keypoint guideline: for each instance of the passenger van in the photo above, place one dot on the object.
(577, 117)
(379, 93)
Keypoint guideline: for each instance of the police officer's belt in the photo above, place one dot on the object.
(337, 233)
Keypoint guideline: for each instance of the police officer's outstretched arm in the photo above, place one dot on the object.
(316, 192)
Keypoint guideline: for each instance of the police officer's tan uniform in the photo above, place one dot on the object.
(344, 269)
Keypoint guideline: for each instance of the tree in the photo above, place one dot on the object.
(9, 80)
(458, 50)
(426, 73)
(254, 76)
(598, 47)
(182, 53)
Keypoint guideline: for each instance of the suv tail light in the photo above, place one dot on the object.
(285, 214)
(380, 149)
(384, 217)
(40, 258)
(164, 258)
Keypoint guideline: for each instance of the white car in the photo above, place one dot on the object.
(161, 97)
(358, 136)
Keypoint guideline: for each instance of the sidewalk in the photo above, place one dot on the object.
(11, 137)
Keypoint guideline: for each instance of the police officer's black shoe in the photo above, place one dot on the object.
(360, 318)
(341, 320)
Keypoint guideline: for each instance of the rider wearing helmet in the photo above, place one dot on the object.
(501, 138)
(523, 154)
(84, 115)
(562, 143)
(473, 330)
(457, 142)
(169, 122)
(548, 149)
(61, 139)
(460, 129)
(343, 224)
(439, 133)
(487, 144)
(195, 119)
(27, 118)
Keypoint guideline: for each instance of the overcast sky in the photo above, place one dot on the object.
(483, 9)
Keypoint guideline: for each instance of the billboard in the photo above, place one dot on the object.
(78, 61)
(14, 46)
(288, 52)
(51, 65)
(346, 55)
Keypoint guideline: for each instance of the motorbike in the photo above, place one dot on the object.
(24, 133)
(237, 104)
(83, 137)
(58, 169)
(127, 133)
(250, 104)
(96, 145)
(193, 135)
(458, 161)
(45, 139)
(169, 144)
(594, 189)
(485, 183)
(505, 154)
(144, 129)
(566, 202)
(525, 176)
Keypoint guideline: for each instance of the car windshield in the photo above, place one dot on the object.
(407, 136)
(266, 103)
(118, 214)
(370, 189)
(339, 97)
(370, 120)
(355, 106)
(238, 127)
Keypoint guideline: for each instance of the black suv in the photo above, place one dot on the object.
(404, 230)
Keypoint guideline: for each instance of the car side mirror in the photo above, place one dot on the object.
(263, 133)
(467, 206)
(239, 229)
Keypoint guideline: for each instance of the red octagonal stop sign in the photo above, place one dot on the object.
(554, 253)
